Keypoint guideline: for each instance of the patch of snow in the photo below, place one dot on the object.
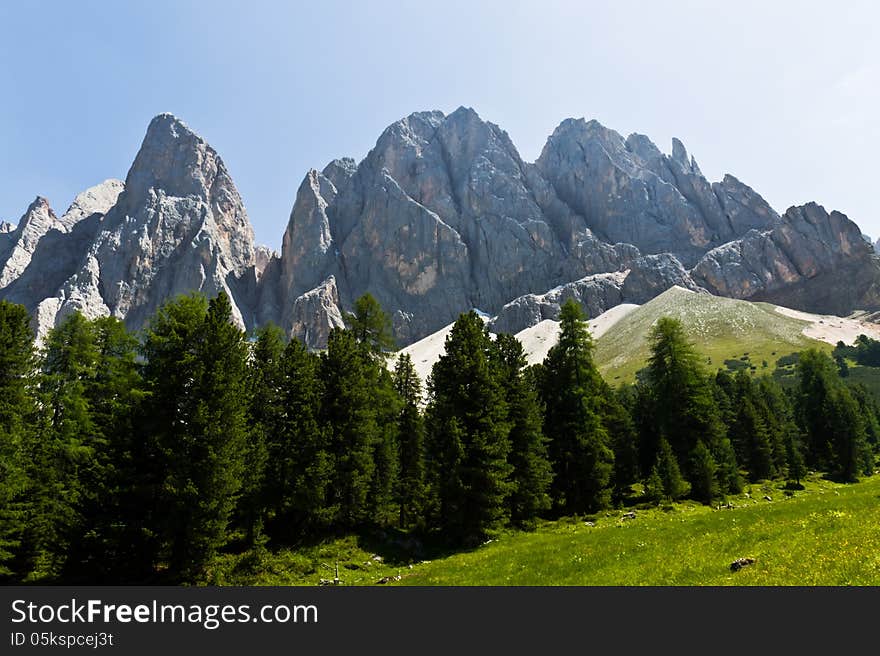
(832, 329)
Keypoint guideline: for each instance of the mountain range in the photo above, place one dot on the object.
(441, 216)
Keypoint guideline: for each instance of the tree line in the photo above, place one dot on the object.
(136, 458)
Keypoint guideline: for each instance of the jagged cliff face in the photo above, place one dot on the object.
(441, 216)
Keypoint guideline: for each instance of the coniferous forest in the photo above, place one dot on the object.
(137, 458)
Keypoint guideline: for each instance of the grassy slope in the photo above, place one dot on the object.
(825, 535)
(720, 328)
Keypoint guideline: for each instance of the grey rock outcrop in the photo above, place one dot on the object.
(647, 277)
(37, 221)
(314, 314)
(628, 191)
(178, 226)
(441, 216)
(813, 260)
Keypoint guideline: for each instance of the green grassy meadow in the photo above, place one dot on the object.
(720, 328)
(824, 535)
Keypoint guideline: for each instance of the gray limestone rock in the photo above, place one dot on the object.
(441, 216)
(811, 260)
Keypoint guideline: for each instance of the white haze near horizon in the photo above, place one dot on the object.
(784, 95)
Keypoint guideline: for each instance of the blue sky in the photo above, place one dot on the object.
(786, 97)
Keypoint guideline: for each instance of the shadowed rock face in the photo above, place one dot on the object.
(441, 216)
(628, 191)
(178, 226)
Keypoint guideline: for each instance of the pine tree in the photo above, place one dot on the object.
(850, 455)
(411, 492)
(796, 467)
(265, 409)
(654, 485)
(618, 420)
(704, 482)
(371, 326)
(681, 398)
(816, 378)
(571, 391)
(729, 479)
(750, 431)
(531, 471)
(468, 443)
(18, 410)
(101, 550)
(348, 410)
(300, 467)
(196, 374)
(65, 456)
(668, 472)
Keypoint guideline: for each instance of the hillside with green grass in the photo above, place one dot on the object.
(825, 534)
(729, 333)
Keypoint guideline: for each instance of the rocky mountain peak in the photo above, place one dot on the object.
(174, 159)
(94, 200)
(442, 215)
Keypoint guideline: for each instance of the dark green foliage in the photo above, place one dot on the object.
(679, 393)
(571, 389)
(618, 420)
(382, 503)
(846, 433)
(751, 441)
(832, 420)
(196, 374)
(531, 472)
(101, 548)
(18, 410)
(264, 416)
(729, 479)
(128, 463)
(816, 379)
(300, 467)
(411, 484)
(788, 360)
(667, 473)
(349, 413)
(704, 470)
(371, 326)
(68, 446)
(867, 351)
(796, 467)
(468, 444)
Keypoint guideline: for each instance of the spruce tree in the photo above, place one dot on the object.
(196, 375)
(681, 398)
(18, 411)
(668, 472)
(371, 326)
(411, 492)
(300, 467)
(704, 482)
(65, 457)
(102, 549)
(796, 467)
(618, 420)
(531, 472)
(850, 454)
(750, 432)
(468, 444)
(571, 390)
(264, 414)
(382, 501)
(729, 479)
(816, 377)
(348, 410)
